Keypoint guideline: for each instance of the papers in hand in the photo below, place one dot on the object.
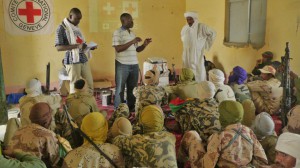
(88, 49)
(92, 44)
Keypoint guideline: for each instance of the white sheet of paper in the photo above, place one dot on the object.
(92, 44)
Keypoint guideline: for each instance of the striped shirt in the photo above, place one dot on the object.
(61, 39)
(129, 56)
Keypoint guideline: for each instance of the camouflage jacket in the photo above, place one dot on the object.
(266, 95)
(26, 103)
(38, 141)
(201, 116)
(88, 156)
(156, 149)
(225, 150)
(80, 104)
(188, 89)
(148, 95)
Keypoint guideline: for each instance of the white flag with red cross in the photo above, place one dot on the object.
(25, 17)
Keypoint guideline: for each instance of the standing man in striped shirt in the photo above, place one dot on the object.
(69, 38)
(126, 64)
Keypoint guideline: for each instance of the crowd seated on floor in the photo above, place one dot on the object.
(226, 121)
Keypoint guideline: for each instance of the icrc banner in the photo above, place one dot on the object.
(25, 17)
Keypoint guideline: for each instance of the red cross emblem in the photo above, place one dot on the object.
(30, 12)
(29, 15)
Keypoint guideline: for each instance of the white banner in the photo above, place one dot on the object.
(26, 17)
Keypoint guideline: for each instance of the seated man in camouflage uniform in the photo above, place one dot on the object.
(200, 114)
(266, 94)
(235, 146)
(264, 129)
(95, 126)
(35, 95)
(121, 111)
(36, 138)
(82, 102)
(186, 88)
(150, 93)
(153, 148)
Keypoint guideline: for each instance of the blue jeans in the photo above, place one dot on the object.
(125, 75)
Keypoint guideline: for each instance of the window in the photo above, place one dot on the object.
(245, 23)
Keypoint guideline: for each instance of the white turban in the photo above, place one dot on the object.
(194, 15)
(217, 77)
(206, 90)
(263, 125)
(289, 143)
(33, 88)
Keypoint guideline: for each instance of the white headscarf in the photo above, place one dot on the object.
(192, 14)
(206, 90)
(289, 143)
(185, 36)
(216, 76)
(33, 88)
(263, 125)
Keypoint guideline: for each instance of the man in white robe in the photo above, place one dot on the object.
(196, 38)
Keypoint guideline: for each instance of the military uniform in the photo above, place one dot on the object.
(225, 149)
(184, 90)
(202, 116)
(38, 141)
(155, 149)
(148, 95)
(121, 111)
(266, 95)
(88, 156)
(80, 104)
(27, 102)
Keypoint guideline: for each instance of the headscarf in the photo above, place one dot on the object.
(151, 119)
(289, 143)
(249, 112)
(187, 32)
(33, 88)
(186, 75)
(95, 126)
(152, 77)
(121, 126)
(263, 125)
(40, 114)
(239, 75)
(206, 90)
(216, 76)
(293, 116)
(192, 14)
(231, 112)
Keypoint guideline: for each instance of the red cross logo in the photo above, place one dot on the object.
(29, 12)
